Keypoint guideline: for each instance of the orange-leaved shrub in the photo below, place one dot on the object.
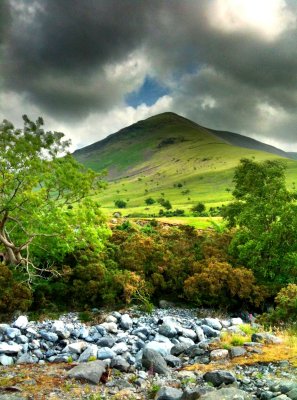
(217, 283)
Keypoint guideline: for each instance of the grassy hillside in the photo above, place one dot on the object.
(171, 157)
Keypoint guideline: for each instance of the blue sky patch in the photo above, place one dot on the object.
(148, 93)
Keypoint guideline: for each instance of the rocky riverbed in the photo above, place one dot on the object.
(170, 354)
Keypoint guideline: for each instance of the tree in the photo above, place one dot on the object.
(165, 203)
(120, 203)
(264, 214)
(198, 208)
(149, 201)
(45, 208)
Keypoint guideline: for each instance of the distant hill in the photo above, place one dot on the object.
(172, 157)
(293, 155)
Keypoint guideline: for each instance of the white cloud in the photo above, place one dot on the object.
(269, 18)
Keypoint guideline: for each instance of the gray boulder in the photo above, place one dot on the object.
(213, 323)
(209, 331)
(169, 393)
(91, 371)
(218, 377)
(227, 394)
(120, 363)
(151, 359)
(179, 349)
(196, 392)
(89, 353)
(6, 360)
(172, 361)
(126, 322)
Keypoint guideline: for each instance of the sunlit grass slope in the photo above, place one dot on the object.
(171, 157)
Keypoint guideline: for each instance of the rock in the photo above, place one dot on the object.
(286, 387)
(111, 318)
(237, 351)
(189, 333)
(91, 371)
(50, 336)
(27, 359)
(199, 333)
(106, 341)
(120, 348)
(219, 354)
(266, 338)
(12, 332)
(172, 361)
(168, 330)
(178, 349)
(9, 348)
(218, 377)
(104, 353)
(213, 323)
(59, 328)
(6, 360)
(21, 322)
(236, 321)
(194, 351)
(210, 332)
(227, 394)
(126, 322)
(89, 353)
(165, 304)
(169, 393)
(120, 363)
(189, 342)
(77, 347)
(110, 327)
(292, 394)
(151, 359)
(161, 348)
(195, 393)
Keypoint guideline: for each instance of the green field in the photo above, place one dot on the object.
(171, 157)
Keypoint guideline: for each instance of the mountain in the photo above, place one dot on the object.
(172, 157)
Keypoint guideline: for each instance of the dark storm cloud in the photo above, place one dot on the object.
(58, 52)
(70, 41)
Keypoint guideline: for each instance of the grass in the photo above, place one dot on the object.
(195, 167)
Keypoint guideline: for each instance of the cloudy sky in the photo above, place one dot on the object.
(91, 67)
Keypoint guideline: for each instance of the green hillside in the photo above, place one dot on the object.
(171, 157)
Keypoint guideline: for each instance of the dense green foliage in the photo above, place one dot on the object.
(45, 208)
(265, 215)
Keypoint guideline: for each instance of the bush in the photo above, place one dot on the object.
(199, 208)
(149, 201)
(217, 283)
(286, 307)
(14, 295)
(120, 203)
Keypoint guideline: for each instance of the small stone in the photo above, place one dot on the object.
(9, 348)
(21, 322)
(218, 377)
(162, 348)
(168, 330)
(120, 363)
(169, 393)
(110, 327)
(77, 347)
(219, 354)
(126, 322)
(120, 348)
(213, 323)
(172, 361)
(151, 359)
(91, 371)
(179, 349)
(236, 321)
(6, 360)
(89, 353)
(106, 341)
(237, 351)
(210, 332)
(49, 336)
(104, 353)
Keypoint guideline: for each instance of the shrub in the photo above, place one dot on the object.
(199, 208)
(217, 283)
(120, 203)
(149, 201)
(14, 295)
(286, 307)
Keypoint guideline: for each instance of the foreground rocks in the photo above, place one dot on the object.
(135, 352)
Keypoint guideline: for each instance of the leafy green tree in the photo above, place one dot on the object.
(198, 208)
(165, 203)
(149, 201)
(264, 213)
(45, 208)
(120, 203)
